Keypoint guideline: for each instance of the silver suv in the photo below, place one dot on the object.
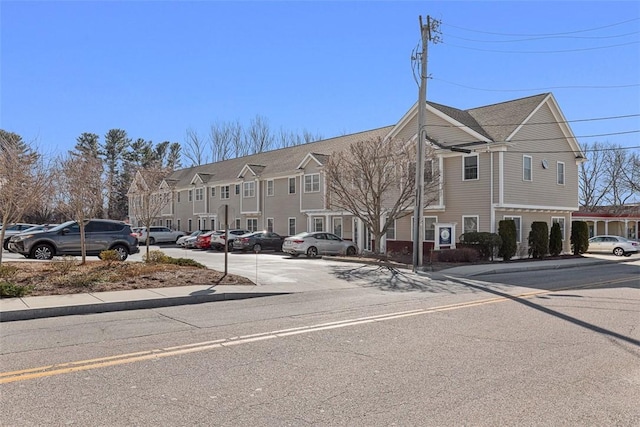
(64, 239)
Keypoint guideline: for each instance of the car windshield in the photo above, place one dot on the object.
(62, 226)
(301, 235)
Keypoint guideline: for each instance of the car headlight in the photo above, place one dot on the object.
(21, 237)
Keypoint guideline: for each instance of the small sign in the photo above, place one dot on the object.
(445, 236)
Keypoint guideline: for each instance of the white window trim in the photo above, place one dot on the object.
(394, 231)
(477, 156)
(317, 220)
(564, 173)
(252, 220)
(312, 183)
(295, 185)
(222, 192)
(333, 226)
(477, 218)
(248, 190)
(519, 237)
(295, 225)
(199, 194)
(272, 224)
(270, 187)
(524, 177)
(213, 191)
(424, 223)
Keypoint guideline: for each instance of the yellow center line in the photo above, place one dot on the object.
(121, 359)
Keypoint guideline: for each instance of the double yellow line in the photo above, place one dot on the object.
(121, 359)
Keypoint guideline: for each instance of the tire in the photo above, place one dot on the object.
(42, 251)
(230, 245)
(351, 251)
(257, 247)
(123, 253)
(312, 252)
(151, 240)
(5, 245)
(618, 252)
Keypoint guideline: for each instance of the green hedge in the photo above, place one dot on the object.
(579, 237)
(507, 232)
(485, 243)
(539, 239)
(555, 240)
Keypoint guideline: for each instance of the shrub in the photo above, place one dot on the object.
(507, 232)
(109, 256)
(458, 255)
(555, 240)
(156, 257)
(10, 290)
(184, 262)
(485, 243)
(579, 237)
(539, 239)
(65, 265)
(8, 272)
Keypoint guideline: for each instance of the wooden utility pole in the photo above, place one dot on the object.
(418, 223)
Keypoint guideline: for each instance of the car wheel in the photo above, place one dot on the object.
(230, 246)
(5, 245)
(618, 251)
(257, 247)
(123, 253)
(151, 240)
(42, 251)
(351, 251)
(312, 252)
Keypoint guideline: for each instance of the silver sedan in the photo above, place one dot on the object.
(317, 243)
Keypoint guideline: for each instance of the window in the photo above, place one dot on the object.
(213, 224)
(337, 226)
(178, 221)
(470, 167)
(249, 189)
(312, 183)
(169, 223)
(270, 187)
(559, 220)
(237, 189)
(213, 191)
(292, 186)
(237, 223)
(517, 220)
(224, 192)
(270, 225)
(292, 226)
(470, 224)
(526, 168)
(428, 171)
(179, 196)
(430, 228)
(252, 224)
(199, 194)
(318, 224)
(560, 173)
(391, 231)
(189, 224)
(190, 195)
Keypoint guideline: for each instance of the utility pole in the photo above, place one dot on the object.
(418, 223)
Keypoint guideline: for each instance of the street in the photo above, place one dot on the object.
(536, 348)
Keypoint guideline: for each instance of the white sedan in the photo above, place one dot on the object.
(159, 235)
(616, 245)
(317, 243)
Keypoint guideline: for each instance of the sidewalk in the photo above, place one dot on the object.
(12, 309)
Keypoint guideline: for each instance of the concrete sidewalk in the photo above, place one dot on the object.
(12, 309)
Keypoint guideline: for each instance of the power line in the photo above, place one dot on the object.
(542, 34)
(542, 38)
(538, 89)
(543, 123)
(555, 139)
(543, 51)
(571, 151)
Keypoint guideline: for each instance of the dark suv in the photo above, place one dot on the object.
(64, 239)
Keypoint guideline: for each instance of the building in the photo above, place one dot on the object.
(513, 160)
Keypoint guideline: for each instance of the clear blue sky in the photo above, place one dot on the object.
(156, 69)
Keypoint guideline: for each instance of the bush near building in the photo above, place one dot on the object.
(507, 232)
(579, 237)
(487, 244)
(539, 239)
(555, 240)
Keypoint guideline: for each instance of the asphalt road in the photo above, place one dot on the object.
(498, 350)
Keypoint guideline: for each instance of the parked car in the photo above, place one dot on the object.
(258, 241)
(188, 239)
(13, 229)
(203, 241)
(616, 245)
(64, 239)
(219, 241)
(317, 243)
(159, 235)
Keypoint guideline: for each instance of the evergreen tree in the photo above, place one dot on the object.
(555, 240)
(507, 231)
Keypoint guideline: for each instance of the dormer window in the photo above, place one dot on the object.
(312, 183)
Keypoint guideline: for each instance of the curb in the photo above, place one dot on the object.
(107, 307)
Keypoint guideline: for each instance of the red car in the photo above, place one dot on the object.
(204, 240)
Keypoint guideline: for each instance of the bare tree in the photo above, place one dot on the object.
(619, 168)
(146, 197)
(259, 136)
(220, 139)
(374, 180)
(593, 182)
(23, 180)
(80, 190)
(239, 146)
(196, 148)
